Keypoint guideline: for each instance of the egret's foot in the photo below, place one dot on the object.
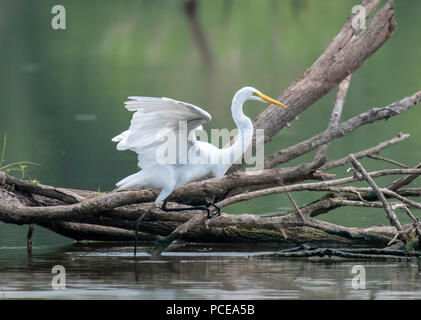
(166, 209)
(218, 210)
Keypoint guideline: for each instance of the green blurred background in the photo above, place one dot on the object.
(62, 91)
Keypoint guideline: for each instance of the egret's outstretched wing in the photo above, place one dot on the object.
(153, 119)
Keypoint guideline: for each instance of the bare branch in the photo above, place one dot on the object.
(339, 60)
(388, 160)
(90, 215)
(345, 54)
(296, 207)
(195, 192)
(336, 112)
(373, 150)
(368, 194)
(342, 129)
(396, 185)
(65, 195)
(416, 223)
(389, 210)
(315, 186)
(347, 253)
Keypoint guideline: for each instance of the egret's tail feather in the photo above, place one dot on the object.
(120, 138)
(133, 181)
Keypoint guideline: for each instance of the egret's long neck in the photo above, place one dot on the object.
(245, 129)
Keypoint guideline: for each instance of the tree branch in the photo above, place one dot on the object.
(314, 186)
(367, 152)
(389, 210)
(342, 129)
(396, 185)
(336, 113)
(345, 54)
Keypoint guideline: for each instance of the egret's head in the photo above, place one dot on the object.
(250, 93)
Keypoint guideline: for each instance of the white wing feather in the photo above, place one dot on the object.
(153, 118)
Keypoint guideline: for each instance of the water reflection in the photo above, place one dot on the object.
(214, 272)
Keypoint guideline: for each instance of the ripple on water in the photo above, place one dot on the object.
(100, 271)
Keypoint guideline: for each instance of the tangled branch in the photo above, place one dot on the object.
(81, 214)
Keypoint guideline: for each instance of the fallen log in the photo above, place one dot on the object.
(116, 224)
(89, 215)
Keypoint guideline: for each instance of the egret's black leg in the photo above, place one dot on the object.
(218, 209)
(138, 221)
(164, 208)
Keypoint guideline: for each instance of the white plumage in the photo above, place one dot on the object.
(153, 120)
(156, 120)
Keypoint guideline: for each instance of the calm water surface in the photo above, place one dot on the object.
(98, 271)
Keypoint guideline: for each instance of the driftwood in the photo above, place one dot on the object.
(81, 214)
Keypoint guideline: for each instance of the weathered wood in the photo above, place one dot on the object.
(387, 207)
(227, 228)
(336, 114)
(340, 130)
(364, 153)
(87, 215)
(347, 52)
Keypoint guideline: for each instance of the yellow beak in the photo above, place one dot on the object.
(270, 100)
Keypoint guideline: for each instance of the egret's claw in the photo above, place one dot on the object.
(218, 210)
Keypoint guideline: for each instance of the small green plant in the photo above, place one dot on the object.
(15, 166)
(410, 242)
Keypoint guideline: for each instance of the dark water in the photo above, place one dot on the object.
(61, 101)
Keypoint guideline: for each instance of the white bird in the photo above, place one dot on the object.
(170, 163)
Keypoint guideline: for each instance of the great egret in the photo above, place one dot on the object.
(155, 118)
